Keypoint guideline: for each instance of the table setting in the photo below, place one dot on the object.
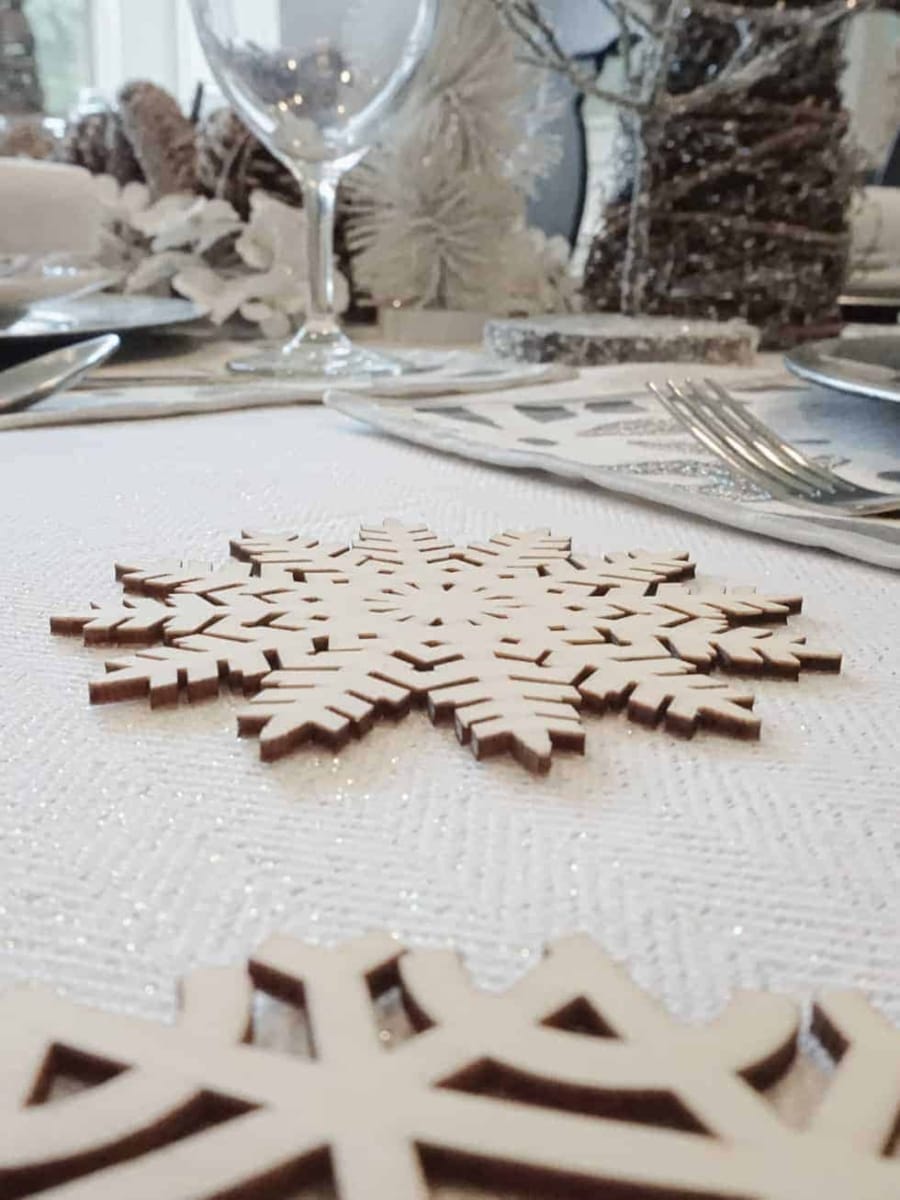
(450, 728)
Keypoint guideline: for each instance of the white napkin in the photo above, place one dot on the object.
(46, 208)
(875, 230)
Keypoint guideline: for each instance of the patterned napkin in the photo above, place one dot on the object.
(139, 391)
(606, 428)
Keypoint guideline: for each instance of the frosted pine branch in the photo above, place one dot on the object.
(437, 216)
(800, 25)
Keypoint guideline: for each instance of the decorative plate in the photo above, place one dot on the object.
(21, 289)
(91, 315)
(862, 366)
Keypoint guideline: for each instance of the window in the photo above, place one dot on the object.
(101, 44)
(61, 31)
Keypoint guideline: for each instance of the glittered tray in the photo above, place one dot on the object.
(602, 339)
(607, 429)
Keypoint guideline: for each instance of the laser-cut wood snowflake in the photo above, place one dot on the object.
(383, 1072)
(510, 638)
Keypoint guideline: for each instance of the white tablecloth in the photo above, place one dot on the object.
(137, 844)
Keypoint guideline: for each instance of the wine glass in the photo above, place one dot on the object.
(316, 80)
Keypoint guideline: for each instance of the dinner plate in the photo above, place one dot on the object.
(19, 290)
(862, 366)
(66, 320)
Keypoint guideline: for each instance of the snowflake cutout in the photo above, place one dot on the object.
(379, 1073)
(510, 638)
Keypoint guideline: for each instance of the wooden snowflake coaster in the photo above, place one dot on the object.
(379, 1074)
(510, 639)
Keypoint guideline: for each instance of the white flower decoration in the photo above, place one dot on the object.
(157, 269)
(120, 204)
(276, 234)
(222, 296)
(259, 268)
(185, 221)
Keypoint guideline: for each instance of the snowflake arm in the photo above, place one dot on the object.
(518, 551)
(138, 619)
(331, 696)
(772, 652)
(295, 555)
(507, 1084)
(637, 569)
(164, 672)
(505, 704)
(862, 1107)
(656, 687)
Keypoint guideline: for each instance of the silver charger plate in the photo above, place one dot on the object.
(67, 319)
(862, 366)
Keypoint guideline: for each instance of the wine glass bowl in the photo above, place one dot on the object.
(316, 81)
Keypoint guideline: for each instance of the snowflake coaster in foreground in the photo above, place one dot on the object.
(381, 1074)
(510, 638)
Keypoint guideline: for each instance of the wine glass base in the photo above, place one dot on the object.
(334, 357)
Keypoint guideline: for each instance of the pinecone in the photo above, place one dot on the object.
(26, 138)
(232, 163)
(162, 137)
(97, 141)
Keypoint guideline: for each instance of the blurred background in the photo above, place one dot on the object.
(86, 50)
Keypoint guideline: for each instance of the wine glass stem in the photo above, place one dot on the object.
(319, 196)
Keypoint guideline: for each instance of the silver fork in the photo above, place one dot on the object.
(752, 449)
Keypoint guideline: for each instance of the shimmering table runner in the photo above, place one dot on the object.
(136, 844)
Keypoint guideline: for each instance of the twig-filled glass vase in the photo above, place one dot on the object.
(740, 179)
(738, 173)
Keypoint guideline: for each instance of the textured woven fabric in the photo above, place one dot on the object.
(137, 844)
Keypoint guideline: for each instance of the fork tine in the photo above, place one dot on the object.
(698, 417)
(680, 408)
(764, 445)
(708, 415)
(767, 440)
(683, 411)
